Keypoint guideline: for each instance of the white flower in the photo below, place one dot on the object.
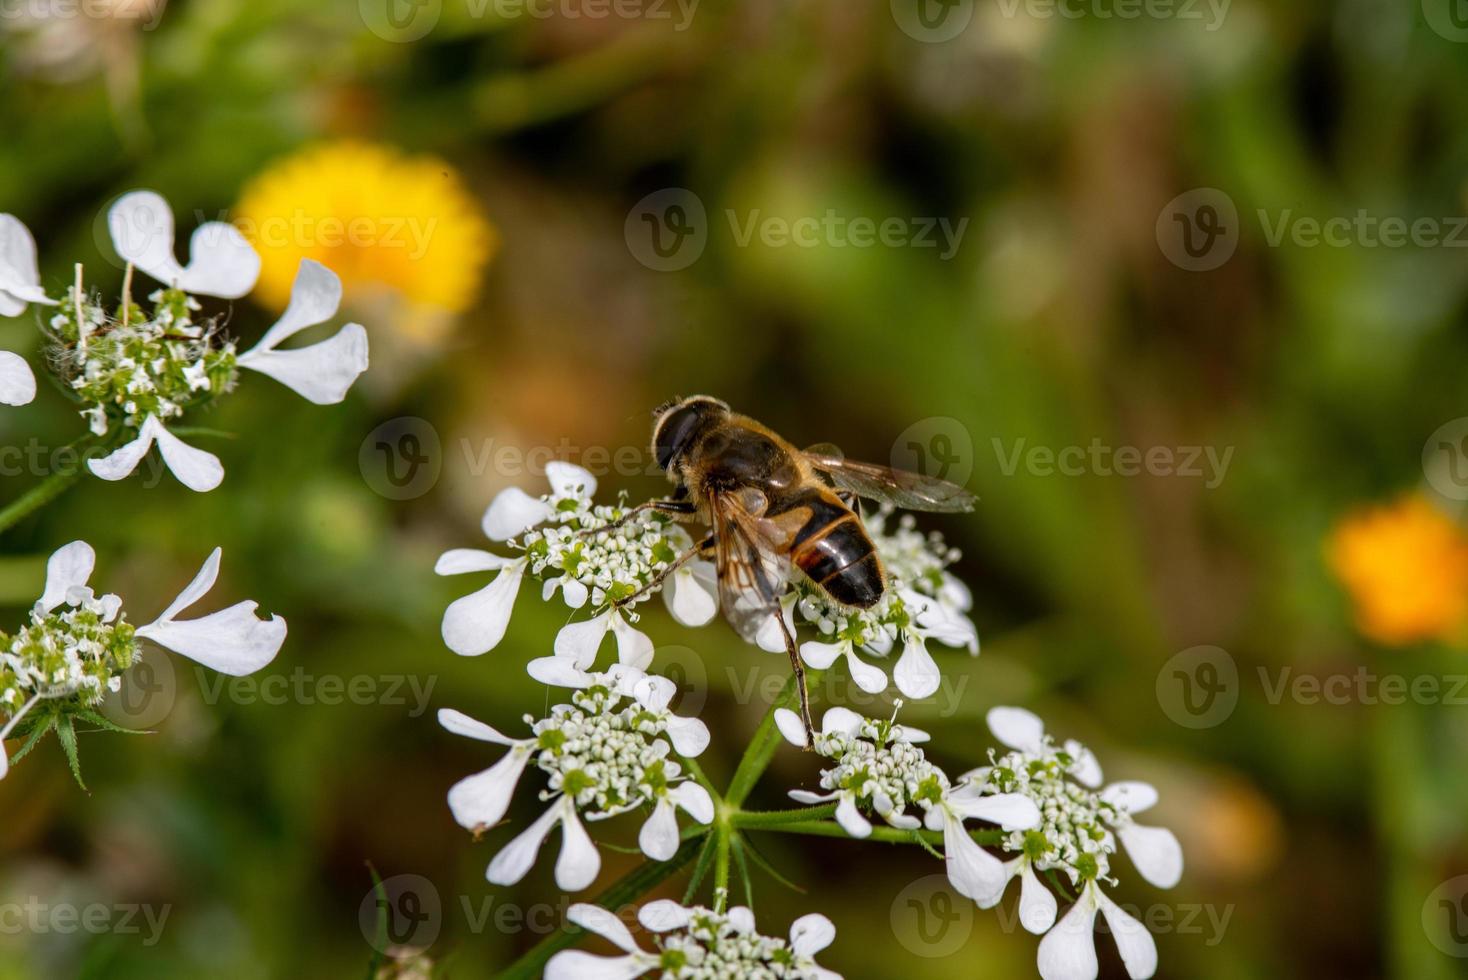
(821, 655)
(695, 942)
(320, 372)
(20, 279)
(973, 871)
(17, 383)
(579, 642)
(195, 468)
(605, 753)
(221, 261)
(1068, 951)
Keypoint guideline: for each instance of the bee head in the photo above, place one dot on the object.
(676, 423)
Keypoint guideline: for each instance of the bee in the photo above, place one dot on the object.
(773, 509)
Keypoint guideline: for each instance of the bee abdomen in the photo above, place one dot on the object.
(840, 559)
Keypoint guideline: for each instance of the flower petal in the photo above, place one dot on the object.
(1012, 811)
(688, 735)
(974, 872)
(1068, 951)
(916, 673)
(790, 725)
(663, 915)
(569, 480)
(1130, 795)
(17, 383)
(196, 469)
(513, 512)
(870, 679)
(579, 862)
(692, 594)
(476, 623)
(515, 859)
(594, 918)
(559, 672)
(1137, 947)
(233, 641)
(810, 934)
(1086, 769)
(321, 373)
(1017, 728)
(815, 654)
(850, 818)
(573, 964)
(659, 835)
(579, 642)
(461, 724)
(480, 800)
(315, 296)
(633, 646)
(20, 278)
(120, 463)
(457, 561)
(221, 261)
(1037, 906)
(197, 588)
(839, 720)
(693, 800)
(69, 566)
(1155, 852)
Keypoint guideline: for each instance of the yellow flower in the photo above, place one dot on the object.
(385, 222)
(1406, 568)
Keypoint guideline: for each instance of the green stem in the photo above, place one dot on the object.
(640, 880)
(890, 835)
(769, 819)
(762, 747)
(38, 496)
(721, 867)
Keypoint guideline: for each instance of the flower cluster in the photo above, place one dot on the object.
(567, 543)
(605, 753)
(78, 645)
(696, 942)
(612, 558)
(1077, 833)
(135, 370)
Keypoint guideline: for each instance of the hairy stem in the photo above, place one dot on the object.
(636, 883)
(890, 835)
(771, 819)
(721, 866)
(38, 496)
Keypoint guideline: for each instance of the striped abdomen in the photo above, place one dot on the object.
(833, 549)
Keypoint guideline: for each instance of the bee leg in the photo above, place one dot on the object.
(678, 508)
(799, 669)
(699, 549)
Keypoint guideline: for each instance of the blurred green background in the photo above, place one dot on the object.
(1322, 835)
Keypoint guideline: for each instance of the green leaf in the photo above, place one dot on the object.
(737, 845)
(106, 724)
(38, 730)
(66, 735)
(768, 868)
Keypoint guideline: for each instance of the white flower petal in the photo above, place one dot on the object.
(20, 278)
(1017, 728)
(1012, 811)
(321, 373)
(69, 566)
(579, 862)
(1068, 951)
(513, 512)
(515, 859)
(569, 480)
(1155, 852)
(974, 872)
(790, 725)
(1137, 947)
(742, 919)
(870, 679)
(579, 642)
(559, 672)
(815, 654)
(120, 463)
(481, 800)
(633, 646)
(659, 835)
(916, 673)
(221, 262)
(476, 623)
(315, 296)
(688, 735)
(196, 469)
(850, 818)
(594, 918)
(232, 641)
(1037, 906)
(1130, 795)
(811, 799)
(1086, 769)
(457, 561)
(461, 724)
(17, 383)
(693, 800)
(692, 594)
(841, 720)
(197, 588)
(810, 934)
(663, 915)
(573, 592)
(573, 964)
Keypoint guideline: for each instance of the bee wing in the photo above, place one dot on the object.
(901, 488)
(752, 573)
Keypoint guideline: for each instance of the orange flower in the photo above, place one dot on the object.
(1405, 566)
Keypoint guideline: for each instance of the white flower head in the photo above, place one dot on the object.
(607, 752)
(695, 942)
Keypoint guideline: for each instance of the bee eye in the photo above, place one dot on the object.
(675, 432)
